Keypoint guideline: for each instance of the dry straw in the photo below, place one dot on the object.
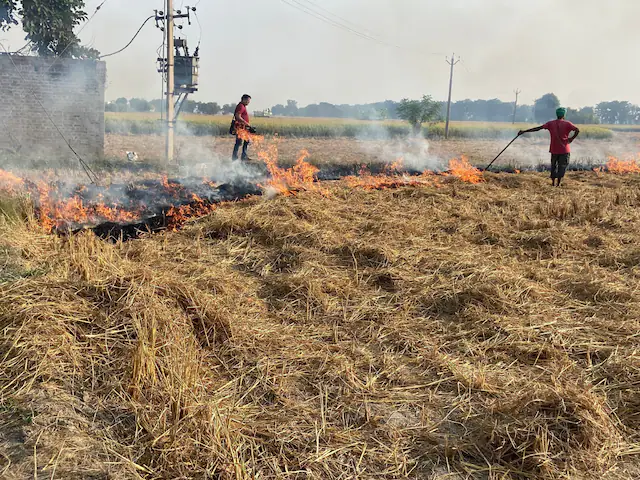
(459, 331)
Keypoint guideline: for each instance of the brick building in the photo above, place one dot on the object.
(71, 91)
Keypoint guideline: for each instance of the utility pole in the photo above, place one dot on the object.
(515, 105)
(453, 62)
(165, 21)
(171, 121)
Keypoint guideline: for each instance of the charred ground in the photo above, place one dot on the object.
(481, 331)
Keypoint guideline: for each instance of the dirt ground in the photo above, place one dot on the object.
(425, 154)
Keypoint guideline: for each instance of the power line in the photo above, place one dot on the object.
(130, 41)
(77, 35)
(354, 29)
(348, 22)
(195, 13)
(93, 178)
(310, 11)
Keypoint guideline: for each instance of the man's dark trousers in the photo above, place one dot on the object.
(559, 164)
(244, 144)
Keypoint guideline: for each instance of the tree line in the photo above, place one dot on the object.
(427, 109)
(494, 110)
(190, 106)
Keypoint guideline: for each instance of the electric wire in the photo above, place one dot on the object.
(77, 35)
(195, 14)
(159, 53)
(93, 178)
(348, 22)
(310, 11)
(130, 41)
(355, 29)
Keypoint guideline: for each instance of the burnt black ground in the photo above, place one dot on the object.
(155, 200)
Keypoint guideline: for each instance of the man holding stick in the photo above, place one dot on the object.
(560, 148)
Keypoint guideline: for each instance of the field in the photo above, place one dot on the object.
(202, 125)
(440, 331)
(432, 153)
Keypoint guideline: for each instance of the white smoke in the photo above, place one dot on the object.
(379, 146)
(196, 160)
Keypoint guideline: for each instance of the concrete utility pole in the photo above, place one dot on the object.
(171, 121)
(165, 20)
(515, 105)
(453, 62)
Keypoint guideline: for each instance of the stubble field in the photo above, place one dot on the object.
(525, 152)
(438, 330)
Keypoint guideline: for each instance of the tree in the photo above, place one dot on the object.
(544, 108)
(48, 24)
(158, 104)
(228, 108)
(212, 108)
(122, 104)
(382, 113)
(139, 105)
(292, 108)
(189, 106)
(417, 112)
(616, 112)
(583, 116)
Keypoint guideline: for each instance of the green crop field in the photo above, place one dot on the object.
(215, 125)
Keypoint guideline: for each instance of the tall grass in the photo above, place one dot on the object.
(207, 125)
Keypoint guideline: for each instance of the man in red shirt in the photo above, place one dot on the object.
(241, 121)
(560, 143)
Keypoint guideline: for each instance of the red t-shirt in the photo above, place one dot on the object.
(559, 131)
(241, 109)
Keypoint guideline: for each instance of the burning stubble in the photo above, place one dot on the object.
(138, 202)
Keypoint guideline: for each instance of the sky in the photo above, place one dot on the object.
(582, 50)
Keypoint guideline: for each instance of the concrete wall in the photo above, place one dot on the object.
(71, 91)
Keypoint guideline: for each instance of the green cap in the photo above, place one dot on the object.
(561, 112)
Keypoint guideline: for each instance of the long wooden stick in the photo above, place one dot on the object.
(516, 137)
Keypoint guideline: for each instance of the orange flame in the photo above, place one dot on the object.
(9, 183)
(177, 216)
(171, 187)
(285, 181)
(462, 169)
(288, 180)
(614, 165)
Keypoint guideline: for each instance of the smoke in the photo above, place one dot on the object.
(198, 161)
(47, 102)
(378, 145)
(529, 152)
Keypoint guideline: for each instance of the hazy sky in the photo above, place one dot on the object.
(583, 50)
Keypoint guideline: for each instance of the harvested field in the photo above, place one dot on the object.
(454, 331)
(525, 152)
(218, 125)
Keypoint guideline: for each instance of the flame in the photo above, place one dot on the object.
(462, 169)
(285, 181)
(394, 167)
(59, 207)
(615, 165)
(171, 187)
(9, 183)
(177, 216)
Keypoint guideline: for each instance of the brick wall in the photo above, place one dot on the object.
(71, 91)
